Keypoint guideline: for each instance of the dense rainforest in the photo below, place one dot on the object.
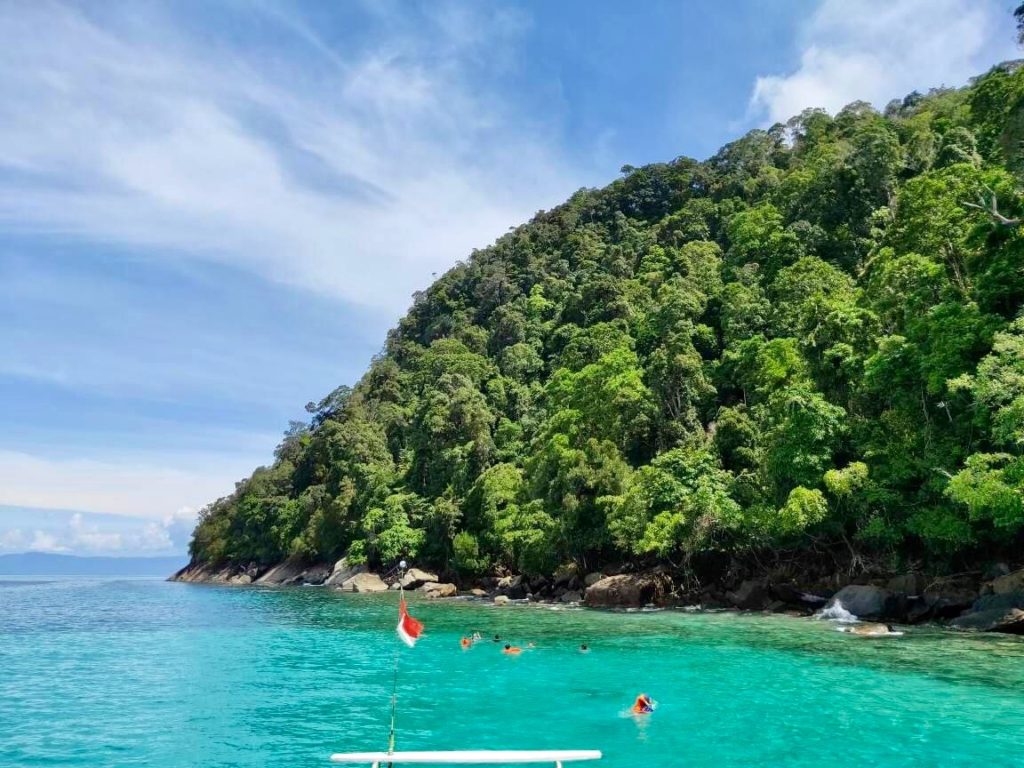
(810, 342)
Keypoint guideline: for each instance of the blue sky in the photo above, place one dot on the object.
(210, 213)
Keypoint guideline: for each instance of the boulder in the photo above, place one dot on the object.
(867, 602)
(1003, 602)
(627, 590)
(564, 574)
(793, 596)
(343, 572)
(570, 597)
(539, 584)
(433, 589)
(242, 579)
(477, 592)
(512, 586)
(414, 578)
(945, 601)
(1011, 582)
(316, 574)
(502, 600)
(908, 584)
(592, 578)
(364, 582)
(992, 620)
(752, 595)
(995, 570)
(288, 572)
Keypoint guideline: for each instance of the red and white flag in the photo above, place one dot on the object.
(409, 629)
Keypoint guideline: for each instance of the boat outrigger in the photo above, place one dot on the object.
(409, 630)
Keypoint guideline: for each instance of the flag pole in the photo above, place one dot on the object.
(394, 686)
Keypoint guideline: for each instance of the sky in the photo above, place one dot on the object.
(212, 212)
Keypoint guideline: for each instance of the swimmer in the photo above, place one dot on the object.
(643, 705)
(511, 650)
(466, 643)
(497, 638)
(530, 646)
(584, 648)
(477, 637)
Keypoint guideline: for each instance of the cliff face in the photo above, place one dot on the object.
(806, 344)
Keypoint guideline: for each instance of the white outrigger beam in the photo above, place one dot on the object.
(469, 757)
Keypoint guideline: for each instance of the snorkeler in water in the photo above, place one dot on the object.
(643, 705)
(511, 650)
(584, 648)
(466, 643)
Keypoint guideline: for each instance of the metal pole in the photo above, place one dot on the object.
(394, 687)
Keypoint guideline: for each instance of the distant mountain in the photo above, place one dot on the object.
(46, 564)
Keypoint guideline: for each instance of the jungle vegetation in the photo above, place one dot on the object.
(812, 339)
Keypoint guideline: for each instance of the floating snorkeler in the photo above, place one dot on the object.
(643, 705)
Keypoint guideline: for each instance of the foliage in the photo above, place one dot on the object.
(810, 337)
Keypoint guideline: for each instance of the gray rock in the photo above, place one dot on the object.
(867, 602)
(564, 575)
(752, 595)
(793, 596)
(242, 578)
(1002, 602)
(592, 578)
(414, 578)
(1011, 582)
(477, 592)
(570, 597)
(434, 590)
(512, 586)
(364, 582)
(343, 572)
(502, 600)
(627, 590)
(288, 572)
(995, 570)
(908, 584)
(316, 574)
(992, 620)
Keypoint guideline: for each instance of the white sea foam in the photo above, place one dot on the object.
(835, 611)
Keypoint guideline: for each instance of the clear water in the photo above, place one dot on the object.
(142, 672)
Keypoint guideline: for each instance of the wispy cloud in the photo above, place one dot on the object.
(878, 50)
(356, 176)
(83, 533)
(156, 488)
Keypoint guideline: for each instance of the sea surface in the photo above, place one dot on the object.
(140, 672)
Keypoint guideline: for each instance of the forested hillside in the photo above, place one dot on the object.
(810, 342)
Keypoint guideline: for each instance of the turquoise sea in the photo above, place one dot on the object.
(98, 672)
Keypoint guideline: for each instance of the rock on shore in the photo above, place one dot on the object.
(628, 590)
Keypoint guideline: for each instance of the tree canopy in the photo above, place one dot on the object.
(814, 336)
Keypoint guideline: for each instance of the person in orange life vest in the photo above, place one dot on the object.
(643, 705)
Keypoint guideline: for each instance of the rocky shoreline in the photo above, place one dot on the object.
(990, 603)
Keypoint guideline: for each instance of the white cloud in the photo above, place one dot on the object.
(877, 50)
(356, 178)
(46, 542)
(83, 533)
(166, 490)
